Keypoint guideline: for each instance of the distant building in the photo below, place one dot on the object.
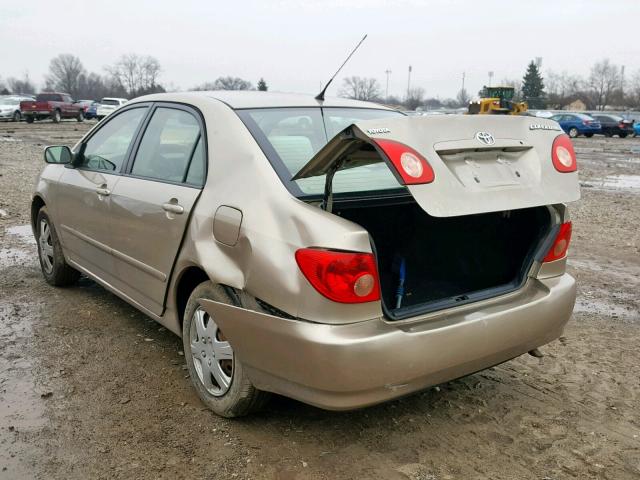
(576, 106)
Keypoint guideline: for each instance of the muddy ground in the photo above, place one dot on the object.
(90, 388)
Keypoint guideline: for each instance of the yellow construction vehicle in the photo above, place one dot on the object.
(497, 101)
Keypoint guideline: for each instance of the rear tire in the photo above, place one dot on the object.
(623, 135)
(588, 135)
(238, 397)
(573, 132)
(57, 116)
(17, 116)
(54, 267)
(29, 118)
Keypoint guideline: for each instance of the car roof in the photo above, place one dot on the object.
(239, 99)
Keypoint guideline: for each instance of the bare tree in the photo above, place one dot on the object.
(604, 79)
(138, 74)
(634, 90)
(64, 73)
(463, 98)
(360, 88)
(23, 85)
(415, 98)
(232, 83)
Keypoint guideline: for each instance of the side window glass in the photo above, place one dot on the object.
(106, 150)
(196, 173)
(167, 145)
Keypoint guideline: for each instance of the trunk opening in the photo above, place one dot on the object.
(449, 261)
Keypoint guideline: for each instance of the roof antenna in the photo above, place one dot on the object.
(320, 96)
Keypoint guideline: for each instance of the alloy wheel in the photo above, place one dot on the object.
(46, 246)
(211, 353)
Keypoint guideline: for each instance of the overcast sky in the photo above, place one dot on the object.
(296, 45)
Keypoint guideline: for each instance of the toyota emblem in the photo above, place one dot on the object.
(485, 137)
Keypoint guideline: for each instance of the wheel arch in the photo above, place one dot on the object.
(188, 279)
(36, 204)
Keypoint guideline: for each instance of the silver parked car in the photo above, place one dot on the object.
(10, 107)
(333, 251)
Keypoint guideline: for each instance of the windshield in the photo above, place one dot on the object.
(290, 137)
(108, 101)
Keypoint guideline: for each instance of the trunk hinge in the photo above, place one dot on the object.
(327, 199)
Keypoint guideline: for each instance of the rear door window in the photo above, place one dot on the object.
(107, 149)
(167, 146)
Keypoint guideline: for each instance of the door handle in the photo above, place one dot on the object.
(103, 190)
(173, 208)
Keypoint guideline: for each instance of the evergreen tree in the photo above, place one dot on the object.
(262, 85)
(533, 87)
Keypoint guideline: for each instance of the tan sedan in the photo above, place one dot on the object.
(337, 252)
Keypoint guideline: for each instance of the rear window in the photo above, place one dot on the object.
(108, 101)
(48, 97)
(290, 137)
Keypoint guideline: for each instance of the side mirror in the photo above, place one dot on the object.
(58, 154)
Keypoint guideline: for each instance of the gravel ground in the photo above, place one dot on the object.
(91, 388)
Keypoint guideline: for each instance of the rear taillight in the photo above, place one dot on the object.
(412, 167)
(561, 244)
(563, 155)
(622, 125)
(343, 277)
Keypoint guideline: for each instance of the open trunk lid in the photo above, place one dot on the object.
(481, 163)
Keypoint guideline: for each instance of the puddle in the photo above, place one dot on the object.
(10, 139)
(10, 257)
(625, 273)
(606, 308)
(616, 182)
(21, 405)
(23, 232)
(15, 255)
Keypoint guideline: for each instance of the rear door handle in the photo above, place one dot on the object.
(173, 208)
(103, 190)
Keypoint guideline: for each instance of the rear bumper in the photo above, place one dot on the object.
(37, 113)
(349, 366)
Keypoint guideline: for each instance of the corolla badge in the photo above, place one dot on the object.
(485, 137)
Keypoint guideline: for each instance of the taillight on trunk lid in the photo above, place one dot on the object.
(563, 155)
(561, 244)
(344, 277)
(412, 167)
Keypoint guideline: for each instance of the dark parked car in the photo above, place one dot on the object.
(614, 125)
(576, 124)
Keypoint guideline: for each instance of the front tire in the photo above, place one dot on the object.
(80, 116)
(216, 372)
(17, 116)
(57, 116)
(54, 267)
(623, 135)
(573, 132)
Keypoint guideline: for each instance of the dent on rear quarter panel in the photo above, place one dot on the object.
(274, 226)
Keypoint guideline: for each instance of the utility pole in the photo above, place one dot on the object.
(388, 72)
(409, 82)
(463, 81)
(490, 77)
(622, 81)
